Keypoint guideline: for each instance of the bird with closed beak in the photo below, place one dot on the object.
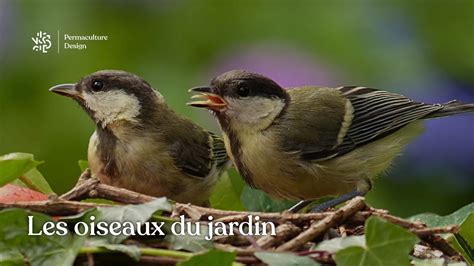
(310, 142)
(141, 144)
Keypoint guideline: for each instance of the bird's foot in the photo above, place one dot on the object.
(336, 201)
(299, 206)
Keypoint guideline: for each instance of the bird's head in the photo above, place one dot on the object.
(109, 96)
(242, 100)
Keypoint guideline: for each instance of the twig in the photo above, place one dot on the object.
(452, 229)
(319, 227)
(396, 220)
(441, 244)
(81, 190)
(90, 259)
(86, 174)
(283, 233)
(54, 207)
(276, 216)
(93, 188)
(247, 259)
(158, 260)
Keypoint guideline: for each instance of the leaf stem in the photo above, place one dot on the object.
(163, 218)
(29, 184)
(143, 252)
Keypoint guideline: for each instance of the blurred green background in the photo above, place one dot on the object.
(424, 49)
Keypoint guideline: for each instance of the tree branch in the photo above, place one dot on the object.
(319, 227)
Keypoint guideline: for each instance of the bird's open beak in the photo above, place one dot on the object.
(68, 90)
(209, 100)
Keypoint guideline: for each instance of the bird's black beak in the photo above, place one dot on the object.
(201, 89)
(209, 100)
(68, 90)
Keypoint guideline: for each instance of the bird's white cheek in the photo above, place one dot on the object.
(255, 113)
(111, 106)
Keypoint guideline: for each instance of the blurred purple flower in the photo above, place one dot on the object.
(288, 66)
(448, 141)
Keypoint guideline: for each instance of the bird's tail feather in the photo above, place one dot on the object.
(452, 108)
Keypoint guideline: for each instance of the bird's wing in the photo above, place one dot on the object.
(369, 114)
(198, 153)
(220, 157)
(311, 122)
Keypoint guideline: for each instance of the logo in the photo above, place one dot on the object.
(42, 42)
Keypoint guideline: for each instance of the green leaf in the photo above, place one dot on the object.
(11, 258)
(386, 244)
(226, 195)
(428, 262)
(36, 181)
(213, 257)
(467, 232)
(36, 250)
(193, 243)
(257, 200)
(339, 243)
(237, 182)
(123, 213)
(435, 262)
(14, 165)
(464, 240)
(285, 259)
(130, 250)
(83, 165)
(456, 217)
(80, 217)
(467, 229)
(130, 213)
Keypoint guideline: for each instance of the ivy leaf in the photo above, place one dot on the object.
(130, 213)
(226, 194)
(36, 250)
(257, 200)
(386, 244)
(14, 165)
(193, 243)
(131, 250)
(138, 213)
(285, 259)
(339, 243)
(456, 217)
(213, 257)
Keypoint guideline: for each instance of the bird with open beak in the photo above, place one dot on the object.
(141, 144)
(310, 142)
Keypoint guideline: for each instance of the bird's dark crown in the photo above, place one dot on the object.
(241, 84)
(107, 80)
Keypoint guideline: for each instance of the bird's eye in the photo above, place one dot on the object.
(243, 91)
(97, 85)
